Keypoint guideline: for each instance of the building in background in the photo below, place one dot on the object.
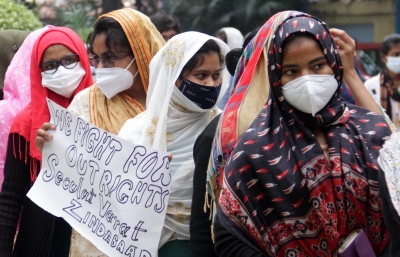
(366, 21)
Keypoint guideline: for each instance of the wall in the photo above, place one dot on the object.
(359, 17)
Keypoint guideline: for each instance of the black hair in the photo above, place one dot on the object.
(198, 58)
(389, 41)
(233, 56)
(164, 22)
(114, 35)
(222, 35)
(296, 38)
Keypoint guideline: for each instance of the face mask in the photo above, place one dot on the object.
(64, 81)
(310, 93)
(203, 96)
(393, 64)
(112, 81)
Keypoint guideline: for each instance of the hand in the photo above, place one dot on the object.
(347, 48)
(42, 136)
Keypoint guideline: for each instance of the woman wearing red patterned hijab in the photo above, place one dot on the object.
(303, 175)
(59, 70)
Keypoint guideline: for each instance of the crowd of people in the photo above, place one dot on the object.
(267, 156)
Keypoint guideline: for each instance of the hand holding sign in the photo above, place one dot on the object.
(112, 192)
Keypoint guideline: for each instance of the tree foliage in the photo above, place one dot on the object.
(78, 17)
(210, 15)
(17, 16)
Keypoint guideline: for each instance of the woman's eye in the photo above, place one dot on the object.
(112, 59)
(216, 76)
(50, 66)
(289, 72)
(319, 66)
(201, 76)
(68, 61)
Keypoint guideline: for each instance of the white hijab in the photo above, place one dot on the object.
(172, 122)
(234, 37)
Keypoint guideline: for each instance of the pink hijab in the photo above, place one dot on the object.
(17, 92)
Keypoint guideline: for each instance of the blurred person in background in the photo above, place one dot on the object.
(166, 24)
(234, 39)
(11, 40)
(384, 87)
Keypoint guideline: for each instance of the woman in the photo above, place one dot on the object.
(57, 53)
(200, 220)
(122, 42)
(16, 82)
(234, 38)
(187, 80)
(304, 173)
(389, 189)
(384, 86)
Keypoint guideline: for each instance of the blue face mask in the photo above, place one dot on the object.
(205, 97)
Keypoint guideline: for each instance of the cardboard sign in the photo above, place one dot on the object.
(112, 192)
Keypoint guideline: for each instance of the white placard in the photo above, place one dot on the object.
(112, 192)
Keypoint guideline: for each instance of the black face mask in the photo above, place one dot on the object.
(203, 96)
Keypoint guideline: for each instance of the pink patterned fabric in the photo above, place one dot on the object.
(16, 91)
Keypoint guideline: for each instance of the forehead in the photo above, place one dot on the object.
(100, 48)
(55, 52)
(209, 62)
(301, 50)
(395, 48)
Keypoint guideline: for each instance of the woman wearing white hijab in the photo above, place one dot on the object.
(232, 36)
(187, 80)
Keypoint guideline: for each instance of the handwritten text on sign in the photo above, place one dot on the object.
(112, 192)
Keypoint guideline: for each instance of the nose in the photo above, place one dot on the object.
(209, 82)
(305, 72)
(100, 65)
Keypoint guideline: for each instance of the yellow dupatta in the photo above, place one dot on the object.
(145, 41)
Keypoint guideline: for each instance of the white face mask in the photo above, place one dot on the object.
(64, 81)
(310, 93)
(112, 81)
(393, 64)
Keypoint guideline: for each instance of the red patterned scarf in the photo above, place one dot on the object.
(280, 193)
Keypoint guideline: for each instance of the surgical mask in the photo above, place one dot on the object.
(310, 93)
(393, 64)
(64, 81)
(112, 81)
(205, 97)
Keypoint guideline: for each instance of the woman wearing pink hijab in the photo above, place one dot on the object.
(17, 92)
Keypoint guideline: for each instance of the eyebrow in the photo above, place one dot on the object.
(205, 71)
(312, 61)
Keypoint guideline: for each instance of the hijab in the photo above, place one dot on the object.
(16, 89)
(31, 118)
(280, 193)
(145, 41)
(234, 37)
(172, 122)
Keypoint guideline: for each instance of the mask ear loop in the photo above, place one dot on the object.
(129, 65)
(134, 76)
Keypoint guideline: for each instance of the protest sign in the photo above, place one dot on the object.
(112, 192)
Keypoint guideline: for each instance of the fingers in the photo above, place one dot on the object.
(43, 136)
(343, 36)
(47, 125)
(169, 156)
